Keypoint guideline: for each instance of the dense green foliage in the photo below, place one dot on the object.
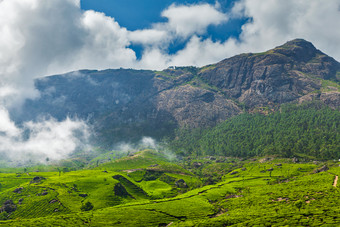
(309, 131)
(290, 194)
(87, 206)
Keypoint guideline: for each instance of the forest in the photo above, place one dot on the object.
(309, 130)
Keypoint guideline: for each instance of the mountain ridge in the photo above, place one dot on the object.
(127, 104)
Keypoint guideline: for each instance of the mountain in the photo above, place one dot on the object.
(126, 104)
(284, 74)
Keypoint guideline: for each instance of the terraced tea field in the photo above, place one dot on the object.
(148, 190)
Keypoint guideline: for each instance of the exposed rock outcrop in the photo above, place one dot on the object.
(277, 76)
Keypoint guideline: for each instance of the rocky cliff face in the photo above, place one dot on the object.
(125, 104)
(280, 75)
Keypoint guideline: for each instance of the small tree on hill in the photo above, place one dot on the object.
(87, 206)
(299, 204)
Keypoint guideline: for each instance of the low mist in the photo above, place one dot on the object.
(40, 142)
(145, 143)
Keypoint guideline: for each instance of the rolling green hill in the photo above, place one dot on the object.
(146, 189)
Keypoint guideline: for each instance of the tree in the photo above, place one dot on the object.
(87, 206)
(3, 215)
(298, 204)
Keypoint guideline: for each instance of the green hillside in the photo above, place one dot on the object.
(310, 131)
(147, 190)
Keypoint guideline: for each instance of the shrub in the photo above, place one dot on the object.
(87, 206)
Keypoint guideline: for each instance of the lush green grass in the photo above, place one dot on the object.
(247, 194)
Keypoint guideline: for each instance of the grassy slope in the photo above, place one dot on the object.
(241, 198)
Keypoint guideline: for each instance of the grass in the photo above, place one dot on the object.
(208, 67)
(328, 86)
(238, 199)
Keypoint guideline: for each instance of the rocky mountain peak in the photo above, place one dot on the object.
(277, 76)
(299, 43)
(298, 49)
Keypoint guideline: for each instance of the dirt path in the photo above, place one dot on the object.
(335, 181)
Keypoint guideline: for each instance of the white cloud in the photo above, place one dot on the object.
(40, 140)
(275, 22)
(272, 23)
(183, 22)
(149, 36)
(154, 58)
(186, 20)
(41, 37)
(207, 50)
(105, 44)
(7, 127)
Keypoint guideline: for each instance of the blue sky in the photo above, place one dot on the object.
(136, 14)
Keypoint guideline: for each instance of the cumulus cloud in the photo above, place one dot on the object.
(41, 37)
(183, 22)
(186, 20)
(149, 36)
(274, 22)
(269, 24)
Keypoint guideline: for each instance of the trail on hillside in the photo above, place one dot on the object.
(335, 181)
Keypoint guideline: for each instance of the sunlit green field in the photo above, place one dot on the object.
(143, 190)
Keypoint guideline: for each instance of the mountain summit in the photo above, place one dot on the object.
(298, 49)
(127, 104)
(280, 75)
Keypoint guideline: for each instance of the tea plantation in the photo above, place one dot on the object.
(146, 189)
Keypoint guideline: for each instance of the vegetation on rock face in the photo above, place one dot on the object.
(308, 131)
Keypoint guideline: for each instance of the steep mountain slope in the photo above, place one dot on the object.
(125, 104)
(280, 75)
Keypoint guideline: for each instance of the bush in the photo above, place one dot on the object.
(87, 206)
